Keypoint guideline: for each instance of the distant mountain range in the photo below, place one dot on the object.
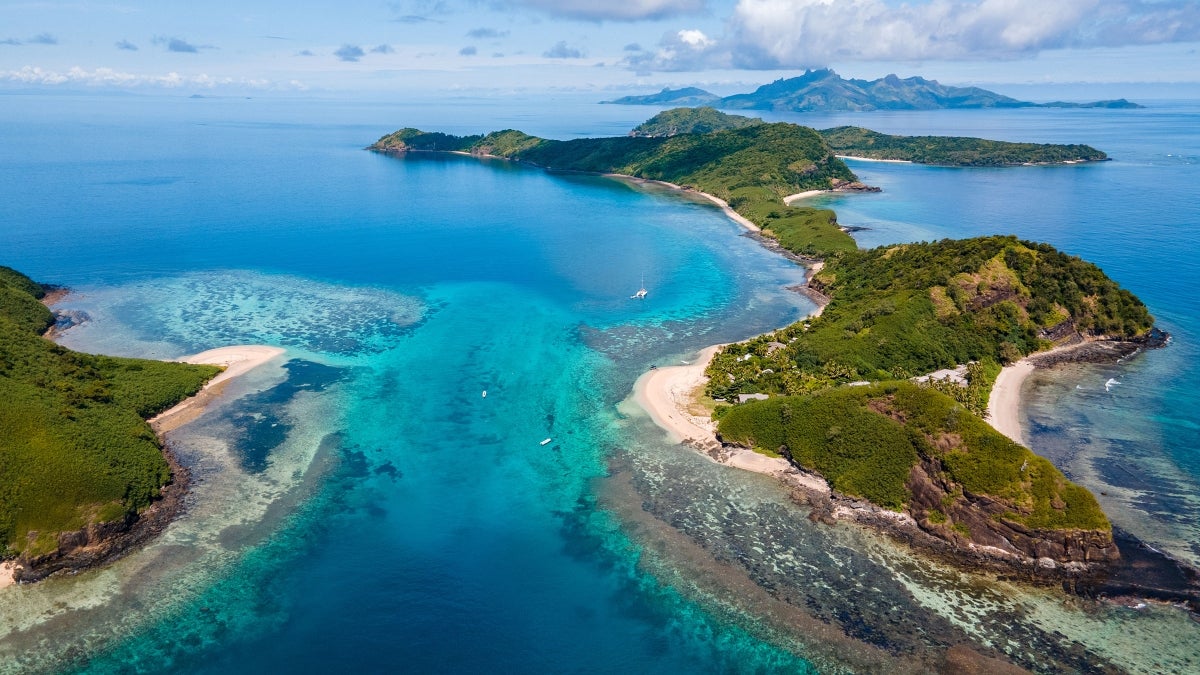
(825, 91)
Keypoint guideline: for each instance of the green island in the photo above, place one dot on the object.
(78, 461)
(751, 168)
(841, 392)
(953, 150)
(860, 142)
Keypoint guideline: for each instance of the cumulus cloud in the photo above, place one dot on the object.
(10, 41)
(633, 47)
(687, 49)
(561, 50)
(382, 49)
(126, 45)
(624, 10)
(486, 33)
(468, 51)
(803, 33)
(305, 52)
(349, 53)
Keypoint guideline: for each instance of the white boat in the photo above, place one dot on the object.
(484, 393)
(546, 441)
(641, 291)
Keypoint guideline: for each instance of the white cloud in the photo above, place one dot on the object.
(619, 10)
(802, 33)
(788, 34)
(561, 50)
(107, 77)
(688, 49)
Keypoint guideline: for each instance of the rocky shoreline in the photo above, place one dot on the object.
(1085, 563)
(100, 544)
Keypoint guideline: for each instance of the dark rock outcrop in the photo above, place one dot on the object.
(984, 522)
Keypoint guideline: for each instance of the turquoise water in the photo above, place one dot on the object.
(361, 506)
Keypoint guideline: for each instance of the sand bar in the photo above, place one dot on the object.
(237, 360)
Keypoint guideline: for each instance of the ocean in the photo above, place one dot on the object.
(363, 507)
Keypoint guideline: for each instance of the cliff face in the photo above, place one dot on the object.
(943, 509)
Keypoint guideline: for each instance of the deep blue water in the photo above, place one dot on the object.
(366, 508)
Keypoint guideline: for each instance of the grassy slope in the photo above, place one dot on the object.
(74, 445)
(853, 437)
(952, 150)
(752, 168)
(701, 120)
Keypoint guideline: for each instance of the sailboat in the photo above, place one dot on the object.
(641, 294)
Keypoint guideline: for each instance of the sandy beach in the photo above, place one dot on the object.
(799, 196)
(669, 395)
(6, 573)
(237, 360)
(872, 159)
(1004, 403)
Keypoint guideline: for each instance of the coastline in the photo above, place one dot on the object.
(666, 394)
(237, 361)
(1004, 402)
(872, 159)
(720, 203)
(101, 543)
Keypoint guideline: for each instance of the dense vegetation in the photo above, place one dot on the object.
(692, 121)
(953, 150)
(74, 445)
(866, 440)
(751, 168)
(901, 311)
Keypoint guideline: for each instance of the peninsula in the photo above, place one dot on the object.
(823, 90)
(83, 475)
(840, 401)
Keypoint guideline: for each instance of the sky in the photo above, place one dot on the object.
(589, 46)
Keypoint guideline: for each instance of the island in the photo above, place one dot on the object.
(953, 150)
(860, 143)
(750, 171)
(875, 405)
(823, 90)
(83, 475)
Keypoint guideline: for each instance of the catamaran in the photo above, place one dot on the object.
(641, 291)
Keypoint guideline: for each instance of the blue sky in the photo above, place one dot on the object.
(507, 46)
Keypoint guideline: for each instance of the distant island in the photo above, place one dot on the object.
(824, 90)
(863, 143)
(834, 395)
